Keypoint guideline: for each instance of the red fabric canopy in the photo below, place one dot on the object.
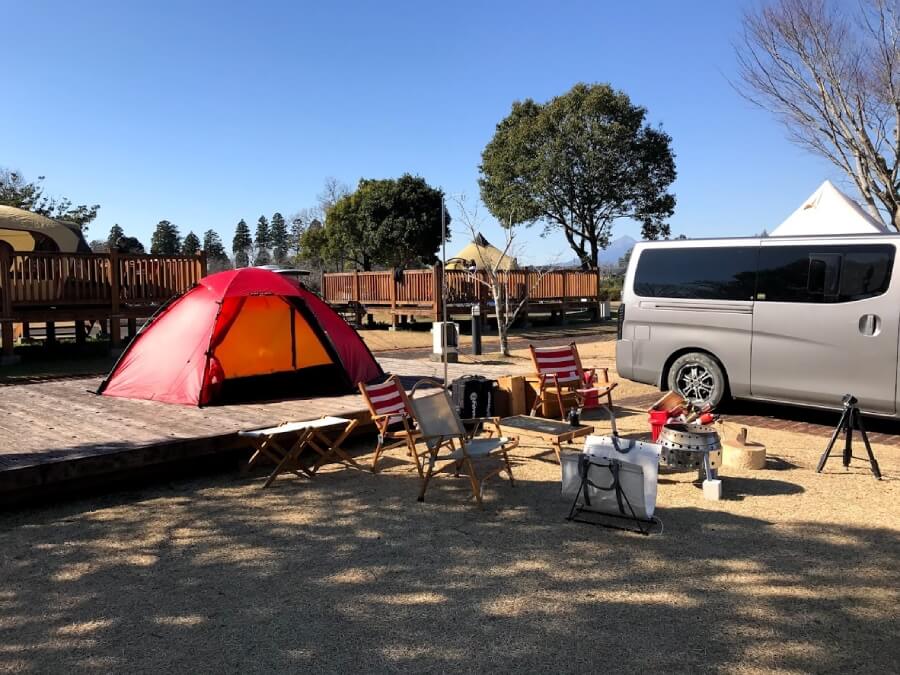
(173, 358)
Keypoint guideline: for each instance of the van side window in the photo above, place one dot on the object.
(824, 274)
(727, 273)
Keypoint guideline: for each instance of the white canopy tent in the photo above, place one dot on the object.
(829, 211)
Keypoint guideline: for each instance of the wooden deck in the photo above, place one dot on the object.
(37, 287)
(421, 292)
(58, 434)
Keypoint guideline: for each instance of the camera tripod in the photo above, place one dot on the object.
(850, 418)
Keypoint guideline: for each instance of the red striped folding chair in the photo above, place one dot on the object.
(392, 416)
(561, 377)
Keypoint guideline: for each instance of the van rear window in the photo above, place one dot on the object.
(824, 273)
(726, 273)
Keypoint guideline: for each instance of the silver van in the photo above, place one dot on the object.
(798, 320)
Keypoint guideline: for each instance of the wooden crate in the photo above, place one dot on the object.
(511, 399)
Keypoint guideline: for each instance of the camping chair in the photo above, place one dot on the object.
(447, 440)
(562, 377)
(392, 416)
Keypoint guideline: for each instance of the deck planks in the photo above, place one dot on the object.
(59, 431)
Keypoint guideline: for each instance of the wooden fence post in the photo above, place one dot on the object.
(6, 325)
(565, 298)
(203, 263)
(393, 284)
(115, 324)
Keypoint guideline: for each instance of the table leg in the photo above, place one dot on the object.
(333, 448)
(708, 469)
(291, 456)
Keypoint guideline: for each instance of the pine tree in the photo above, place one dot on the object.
(297, 229)
(165, 240)
(115, 233)
(216, 257)
(278, 238)
(191, 244)
(262, 242)
(241, 244)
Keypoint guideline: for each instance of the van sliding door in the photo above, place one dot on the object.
(825, 324)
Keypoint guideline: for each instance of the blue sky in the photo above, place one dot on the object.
(205, 113)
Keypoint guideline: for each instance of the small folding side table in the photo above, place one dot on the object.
(552, 431)
(324, 436)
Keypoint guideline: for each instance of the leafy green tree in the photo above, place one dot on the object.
(165, 240)
(130, 245)
(16, 191)
(278, 239)
(99, 246)
(216, 257)
(262, 242)
(191, 244)
(580, 162)
(391, 222)
(115, 233)
(242, 244)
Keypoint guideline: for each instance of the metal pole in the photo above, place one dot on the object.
(444, 288)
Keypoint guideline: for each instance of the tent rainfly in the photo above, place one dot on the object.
(242, 335)
(484, 254)
(25, 231)
(828, 211)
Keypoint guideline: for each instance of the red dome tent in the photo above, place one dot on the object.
(240, 335)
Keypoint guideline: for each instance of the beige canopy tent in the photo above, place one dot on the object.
(484, 255)
(26, 231)
(828, 211)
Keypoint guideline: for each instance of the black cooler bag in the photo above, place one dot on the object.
(473, 396)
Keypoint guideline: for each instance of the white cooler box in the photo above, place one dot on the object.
(638, 473)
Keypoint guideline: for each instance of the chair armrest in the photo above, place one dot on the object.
(383, 416)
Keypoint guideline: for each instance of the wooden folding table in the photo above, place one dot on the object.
(553, 431)
(311, 434)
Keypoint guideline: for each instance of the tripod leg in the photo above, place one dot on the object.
(848, 444)
(837, 430)
(872, 461)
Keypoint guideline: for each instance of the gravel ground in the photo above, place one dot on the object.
(792, 572)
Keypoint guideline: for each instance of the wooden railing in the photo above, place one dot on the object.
(422, 288)
(110, 284)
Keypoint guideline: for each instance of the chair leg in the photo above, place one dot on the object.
(411, 449)
(378, 450)
(512, 481)
(476, 485)
(426, 480)
(562, 409)
(537, 402)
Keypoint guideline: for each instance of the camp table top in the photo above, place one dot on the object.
(310, 435)
(319, 423)
(554, 431)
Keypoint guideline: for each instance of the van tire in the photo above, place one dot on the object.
(699, 378)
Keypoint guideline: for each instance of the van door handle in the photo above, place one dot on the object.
(870, 324)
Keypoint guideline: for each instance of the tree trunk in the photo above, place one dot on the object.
(502, 318)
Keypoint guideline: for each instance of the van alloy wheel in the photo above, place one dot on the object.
(698, 378)
(695, 382)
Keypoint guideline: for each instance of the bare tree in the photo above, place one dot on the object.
(495, 277)
(331, 193)
(831, 72)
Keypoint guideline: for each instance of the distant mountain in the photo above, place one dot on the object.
(611, 255)
(617, 249)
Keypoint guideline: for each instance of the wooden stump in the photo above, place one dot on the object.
(738, 453)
